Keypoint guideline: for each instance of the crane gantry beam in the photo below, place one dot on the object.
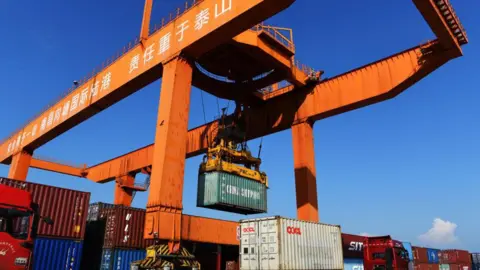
(142, 65)
(361, 87)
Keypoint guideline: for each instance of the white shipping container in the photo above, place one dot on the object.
(281, 243)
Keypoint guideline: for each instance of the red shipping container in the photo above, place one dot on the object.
(124, 227)
(352, 246)
(67, 208)
(426, 266)
(420, 255)
(455, 256)
(231, 265)
(454, 266)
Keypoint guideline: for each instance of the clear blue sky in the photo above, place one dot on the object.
(390, 168)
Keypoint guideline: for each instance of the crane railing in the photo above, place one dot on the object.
(275, 33)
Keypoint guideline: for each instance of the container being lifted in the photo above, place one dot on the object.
(283, 243)
(229, 177)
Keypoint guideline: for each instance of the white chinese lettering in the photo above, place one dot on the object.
(18, 141)
(9, 148)
(65, 108)
(25, 134)
(74, 103)
(58, 113)
(182, 27)
(134, 63)
(201, 19)
(50, 119)
(84, 96)
(164, 43)
(94, 90)
(224, 8)
(148, 54)
(106, 81)
(34, 130)
(43, 124)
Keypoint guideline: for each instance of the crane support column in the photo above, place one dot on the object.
(305, 174)
(19, 166)
(123, 194)
(164, 205)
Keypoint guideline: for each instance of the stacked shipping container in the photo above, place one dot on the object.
(454, 259)
(425, 259)
(475, 261)
(62, 242)
(114, 237)
(408, 247)
(352, 251)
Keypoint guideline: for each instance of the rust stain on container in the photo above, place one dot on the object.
(124, 227)
(68, 208)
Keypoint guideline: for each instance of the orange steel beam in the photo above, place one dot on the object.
(147, 12)
(123, 195)
(361, 87)
(56, 167)
(142, 65)
(442, 19)
(305, 172)
(19, 167)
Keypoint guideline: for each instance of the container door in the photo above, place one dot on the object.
(269, 244)
(249, 246)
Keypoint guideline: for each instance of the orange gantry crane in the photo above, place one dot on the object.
(220, 47)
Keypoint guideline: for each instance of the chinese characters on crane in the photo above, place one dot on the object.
(202, 18)
(81, 98)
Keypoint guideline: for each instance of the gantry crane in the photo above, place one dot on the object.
(213, 56)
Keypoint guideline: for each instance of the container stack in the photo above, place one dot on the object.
(408, 247)
(475, 261)
(454, 259)
(352, 251)
(283, 243)
(425, 258)
(59, 245)
(114, 237)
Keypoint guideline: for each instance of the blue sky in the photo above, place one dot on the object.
(391, 168)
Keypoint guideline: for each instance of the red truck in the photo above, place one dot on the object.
(19, 218)
(382, 252)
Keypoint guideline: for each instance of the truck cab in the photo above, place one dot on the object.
(19, 220)
(384, 253)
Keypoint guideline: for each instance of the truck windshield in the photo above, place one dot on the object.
(15, 222)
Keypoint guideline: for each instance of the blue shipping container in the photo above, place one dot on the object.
(433, 255)
(476, 258)
(408, 247)
(120, 259)
(353, 264)
(57, 254)
(475, 266)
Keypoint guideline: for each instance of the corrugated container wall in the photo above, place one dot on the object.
(95, 210)
(67, 208)
(124, 227)
(352, 246)
(420, 255)
(353, 264)
(120, 259)
(54, 254)
(282, 243)
(460, 266)
(408, 247)
(455, 256)
(427, 266)
(433, 255)
(231, 193)
(476, 258)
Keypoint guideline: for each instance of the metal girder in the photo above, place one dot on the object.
(142, 65)
(361, 87)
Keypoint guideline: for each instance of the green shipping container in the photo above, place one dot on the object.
(231, 193)
(444, 267)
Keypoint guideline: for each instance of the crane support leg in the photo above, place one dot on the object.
(305, 175)
(19, 166)
(147, 12)
(123, 195)
(168, 165)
